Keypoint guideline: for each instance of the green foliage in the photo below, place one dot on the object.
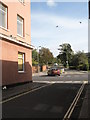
(76, 61)
(34, 57)
(45, 56)
(80, 61)
(34, 62)
(66, 53)
(56, 60)
(72, 67)
(84, 67)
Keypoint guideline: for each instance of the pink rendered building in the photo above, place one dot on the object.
(15, 42)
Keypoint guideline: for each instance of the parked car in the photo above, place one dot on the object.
(53, 71)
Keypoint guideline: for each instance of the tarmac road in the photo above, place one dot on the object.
(52, 101)
(73, 76)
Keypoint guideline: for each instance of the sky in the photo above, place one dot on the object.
(45, 16)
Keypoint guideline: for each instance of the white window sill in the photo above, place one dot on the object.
(4, 28)
(20, 36)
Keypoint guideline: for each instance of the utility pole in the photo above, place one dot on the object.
(38, 58)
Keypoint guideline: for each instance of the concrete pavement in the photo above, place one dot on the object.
(40, 73)
(75, 72)
(13, 91)
(85, 110)
(18, 89)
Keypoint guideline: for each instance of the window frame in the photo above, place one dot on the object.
(23, 58)
(22, 23)
(6, 13)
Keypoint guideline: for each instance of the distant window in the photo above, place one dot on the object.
(21, 61)
(20, 26)
(3, 16)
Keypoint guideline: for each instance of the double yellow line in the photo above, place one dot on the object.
(72, 106)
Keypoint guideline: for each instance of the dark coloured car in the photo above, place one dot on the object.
(53, 71)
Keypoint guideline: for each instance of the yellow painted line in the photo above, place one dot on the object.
(76, 101)
(17, 96)
(9, 99)
(72, 106)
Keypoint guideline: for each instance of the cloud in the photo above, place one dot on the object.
(51, 3)
(62, 22)
(45, 33)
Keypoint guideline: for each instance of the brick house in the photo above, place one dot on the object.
(15, 42)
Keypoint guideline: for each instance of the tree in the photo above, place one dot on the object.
(80, 61)
(66, 53)
(45, 56)
(56, 60)
(34, 57)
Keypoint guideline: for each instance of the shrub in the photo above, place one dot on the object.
(72, 67)
(80, 67)
(84, 67)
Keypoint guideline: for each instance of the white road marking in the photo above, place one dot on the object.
(50, 83)
(69, 81)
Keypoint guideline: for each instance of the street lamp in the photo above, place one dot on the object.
(67, 60)
(38, 57)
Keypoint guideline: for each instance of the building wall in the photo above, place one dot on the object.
(0, 63)
(44, 68)
(23, 10)
(35, 69)
(9, 57)
(10, 74)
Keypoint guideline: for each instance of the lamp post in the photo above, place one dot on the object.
(38, 57)
(67, 60)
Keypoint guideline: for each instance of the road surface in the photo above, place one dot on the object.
(51, 101)
(68, 76)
